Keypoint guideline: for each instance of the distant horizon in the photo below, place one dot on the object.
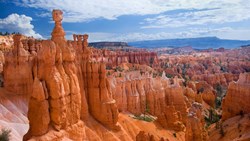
(171, 39)
(196, 43)
(148, 40)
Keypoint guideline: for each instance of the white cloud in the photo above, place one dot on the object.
(85, 10)
(44, 14)
(19, 23)
(164, 13)
(213, 13)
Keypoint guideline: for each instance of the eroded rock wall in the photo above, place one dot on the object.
(236, 101)
(154, 96)
(56, 97)
(18, 76)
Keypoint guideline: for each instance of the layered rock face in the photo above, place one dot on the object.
(195, 130)
(214, 79)
(175, 97)
(129, 94)
(213, 67)
(164, 100)
(155, 96)
(62, 84)
(142, 136)
(237, 99)
(207, 93)
(13, 114)
(18, 69)
(133, 56)
(6, 42)
(235, 128)
(56, 99)
(99, 98)
(2, 61)
(235, 121)
(92, 77)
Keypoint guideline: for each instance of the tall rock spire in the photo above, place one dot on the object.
(58, 32)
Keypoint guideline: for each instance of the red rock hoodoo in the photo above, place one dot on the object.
(237, 99)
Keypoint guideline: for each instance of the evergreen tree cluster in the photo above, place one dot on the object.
(7, 33)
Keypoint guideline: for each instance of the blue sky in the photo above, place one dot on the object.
(130, 20)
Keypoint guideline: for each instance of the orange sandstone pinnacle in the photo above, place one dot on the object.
(58, 80)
